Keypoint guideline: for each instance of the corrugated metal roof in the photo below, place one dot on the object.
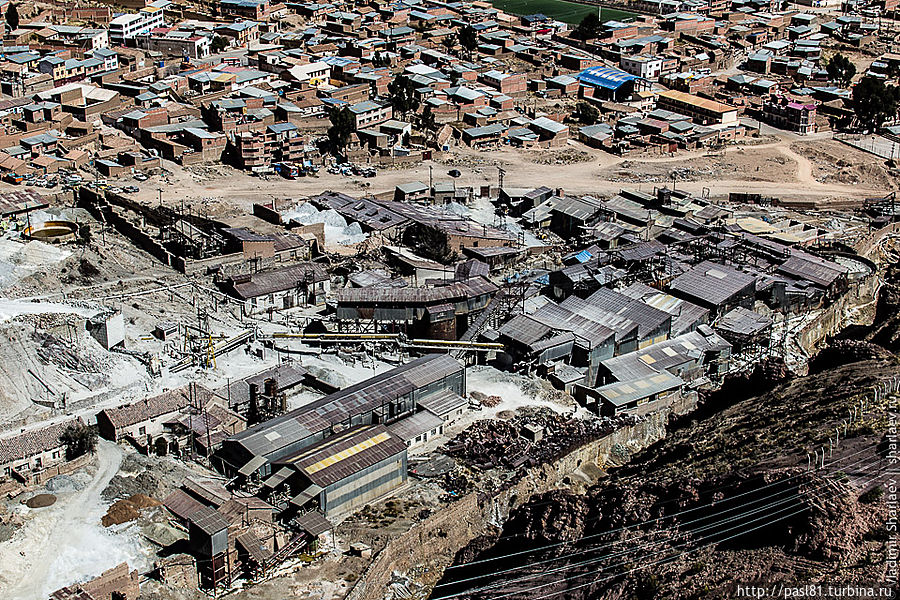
(713, 283)
(346, 454)
(621, 393)
(269, 438)
(743, 322)
(605, 77)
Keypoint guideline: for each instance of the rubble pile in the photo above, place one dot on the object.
(485, 400)
(53, 350)
(561, 157)
(490, 443)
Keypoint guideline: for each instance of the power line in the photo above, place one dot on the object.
(634, 525)
(707, 537)
(648, 545)
(693, 550)
(700, 519)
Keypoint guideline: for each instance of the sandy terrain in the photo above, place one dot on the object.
(67, 543)
(779, 168)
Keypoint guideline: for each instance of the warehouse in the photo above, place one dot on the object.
(716, 287)
(607, 83)
(441, 312)
(304, 284)
(637, 396)
(701, 353)
(385, 398)
(686, 316)
(149, 418)
(346, 471)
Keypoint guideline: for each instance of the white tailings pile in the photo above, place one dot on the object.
(10, 309)
(18, 260)
(337, 231)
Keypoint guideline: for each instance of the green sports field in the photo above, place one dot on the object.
(569, 12)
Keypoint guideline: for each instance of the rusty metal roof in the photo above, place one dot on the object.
(345, 454)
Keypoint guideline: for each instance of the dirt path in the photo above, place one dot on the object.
(65, 543)
(240, 191)
(804, 167)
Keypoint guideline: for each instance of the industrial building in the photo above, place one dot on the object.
(716, 287)
(347, 470)
(299, 285)
(441, 312)
(383, 399)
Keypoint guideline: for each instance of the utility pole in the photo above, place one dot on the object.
(501, 172)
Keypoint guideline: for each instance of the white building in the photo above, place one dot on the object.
(648, 67)
(125, 27)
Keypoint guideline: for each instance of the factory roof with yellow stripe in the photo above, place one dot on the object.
(345, 454)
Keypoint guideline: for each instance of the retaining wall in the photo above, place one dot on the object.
(434, 542)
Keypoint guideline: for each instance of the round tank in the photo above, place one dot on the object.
(53, 232)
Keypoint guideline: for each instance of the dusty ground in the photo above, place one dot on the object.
(776, 168)
(834, 162)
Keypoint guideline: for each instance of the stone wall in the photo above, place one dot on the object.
(835, 317)
(434, 542)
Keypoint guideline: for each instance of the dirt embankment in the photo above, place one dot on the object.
(724, 500)
(833, 162)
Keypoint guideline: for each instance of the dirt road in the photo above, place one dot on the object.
(66, 543)
(233, 191)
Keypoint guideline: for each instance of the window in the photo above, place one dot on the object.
(57, 454)
(142, 431)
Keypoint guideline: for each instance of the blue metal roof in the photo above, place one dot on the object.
(605, 77)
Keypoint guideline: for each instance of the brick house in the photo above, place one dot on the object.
(34, 450)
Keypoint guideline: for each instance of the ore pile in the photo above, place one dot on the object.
(490, 443)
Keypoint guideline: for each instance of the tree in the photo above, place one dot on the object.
(449, 42)
(428, 119)
(468, 38)
(342, 125)
(219, 44)
(588, 29)
(79, 439)
(586, 113)
(402, 92)
(381, 59)
(12, 17)
(840, 70)
(874, 102)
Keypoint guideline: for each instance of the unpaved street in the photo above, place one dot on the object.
(67, 542)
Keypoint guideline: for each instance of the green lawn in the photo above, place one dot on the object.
(569, 12)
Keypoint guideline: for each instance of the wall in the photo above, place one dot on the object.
(833, 318)
(12, 488)
(434, 542)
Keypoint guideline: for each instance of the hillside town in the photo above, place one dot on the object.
(327, 300)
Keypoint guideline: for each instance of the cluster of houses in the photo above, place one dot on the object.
(252, 82)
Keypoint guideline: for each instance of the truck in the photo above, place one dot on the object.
(287, 170)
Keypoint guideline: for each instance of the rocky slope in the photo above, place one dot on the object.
(724, 499)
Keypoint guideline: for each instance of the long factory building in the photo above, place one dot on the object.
(398, 398)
